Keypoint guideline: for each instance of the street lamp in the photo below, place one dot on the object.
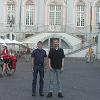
(11, 22)
(90, 22)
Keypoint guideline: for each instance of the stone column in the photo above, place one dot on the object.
(40, 14)
(98, 46)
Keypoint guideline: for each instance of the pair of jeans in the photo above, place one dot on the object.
(52, 74)
(38, 69)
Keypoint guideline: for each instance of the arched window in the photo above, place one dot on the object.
(80, 11)
(55, 13)
(97, 13)
(10, 12)
(30, 13)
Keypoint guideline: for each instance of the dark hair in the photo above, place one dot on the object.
(55, 39)
(40, 42)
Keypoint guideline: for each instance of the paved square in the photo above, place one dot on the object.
(81, 81)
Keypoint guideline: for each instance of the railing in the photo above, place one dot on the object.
(45, 29)
(56, 29)
(51, 28)
(80, 47)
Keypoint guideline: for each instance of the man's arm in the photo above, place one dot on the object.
(33, 57)
(63, 56)
(32, 63)
(63, 63)
(62, 67)
(45, 63)
(45, 59)
(49, 59)
(49, 63)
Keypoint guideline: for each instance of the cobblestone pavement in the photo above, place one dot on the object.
(81, 81)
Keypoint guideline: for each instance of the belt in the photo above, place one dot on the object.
(39, 64)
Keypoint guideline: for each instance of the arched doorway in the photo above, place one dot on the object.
(48, 43)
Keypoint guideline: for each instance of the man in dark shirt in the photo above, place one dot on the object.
(56, 62)
(38, 62)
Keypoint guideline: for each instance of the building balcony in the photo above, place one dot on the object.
(51, 29)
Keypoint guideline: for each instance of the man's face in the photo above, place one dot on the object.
(55, 43)
(39, 45)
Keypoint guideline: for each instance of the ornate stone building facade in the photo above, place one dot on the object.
(32, 16)
(21, 19)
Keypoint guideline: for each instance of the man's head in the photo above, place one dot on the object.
(55, 43)
(40, 44)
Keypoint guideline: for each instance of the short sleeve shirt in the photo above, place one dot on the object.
(39, 55)
(56, 57)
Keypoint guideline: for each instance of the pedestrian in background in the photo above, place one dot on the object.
(56, 63)
(38, 62)
(27, 54)
(6, 56)
(90, 54)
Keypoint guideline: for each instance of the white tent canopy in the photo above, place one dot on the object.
(8, 41)
(2, 41)
(11, 44)
(16, 42)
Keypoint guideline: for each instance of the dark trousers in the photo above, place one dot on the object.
(37, 69)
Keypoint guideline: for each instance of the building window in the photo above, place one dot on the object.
(97, 15)
(80, 15)
(30, 14)
(11, 12)
(55, 15)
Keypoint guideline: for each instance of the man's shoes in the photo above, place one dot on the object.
(41, 94)
(49, 94)
(33, 94)
(60, 95)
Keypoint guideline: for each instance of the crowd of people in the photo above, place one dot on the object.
(8, 58)
(7, 61)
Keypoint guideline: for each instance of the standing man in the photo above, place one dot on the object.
(90, 54)
(38, 62)
(56, 63)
